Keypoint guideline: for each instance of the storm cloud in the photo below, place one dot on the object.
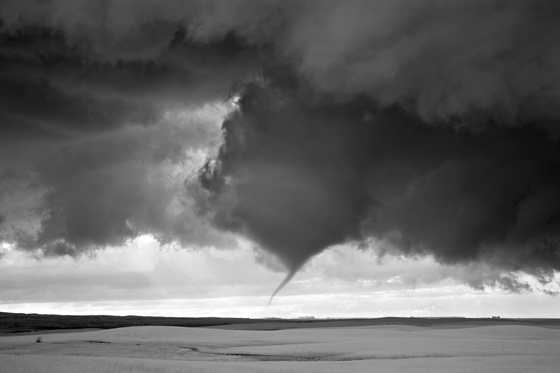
(299, 178)
(426, 127)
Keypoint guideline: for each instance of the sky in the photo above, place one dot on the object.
(280, 158)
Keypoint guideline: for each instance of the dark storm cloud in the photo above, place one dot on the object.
(107, 188)
(299, 177)
(430, 127)
(289, 171)
(63, 91)
(441, 60)
(91, 96)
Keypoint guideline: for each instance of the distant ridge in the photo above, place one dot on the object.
(22, 323)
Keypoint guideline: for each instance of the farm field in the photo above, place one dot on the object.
(343, 346)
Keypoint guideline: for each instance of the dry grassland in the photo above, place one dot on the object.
(338, 348)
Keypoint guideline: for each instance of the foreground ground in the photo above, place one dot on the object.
(342, 346)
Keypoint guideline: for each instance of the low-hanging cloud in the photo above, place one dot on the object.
(299, 178)
(429, 126)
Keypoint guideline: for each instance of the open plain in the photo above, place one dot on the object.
(377, 345)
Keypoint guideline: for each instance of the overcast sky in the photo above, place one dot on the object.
(353, 158)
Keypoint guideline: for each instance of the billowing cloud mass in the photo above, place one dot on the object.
(424, 127)
(298, 179)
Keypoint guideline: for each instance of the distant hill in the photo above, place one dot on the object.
(21, 322)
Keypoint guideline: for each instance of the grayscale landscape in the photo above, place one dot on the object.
(279, 186)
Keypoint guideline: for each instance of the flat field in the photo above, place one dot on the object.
(343, 346)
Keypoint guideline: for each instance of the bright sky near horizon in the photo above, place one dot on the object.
(143, 278)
